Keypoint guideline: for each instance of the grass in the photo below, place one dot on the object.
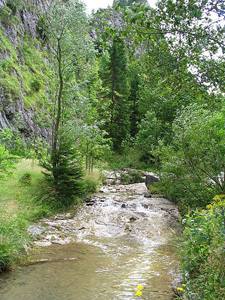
(18, 78)
(23, 200)
(21, 203)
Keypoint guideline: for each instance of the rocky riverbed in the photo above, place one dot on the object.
(117, 239)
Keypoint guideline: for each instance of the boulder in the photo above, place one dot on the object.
(150, 179)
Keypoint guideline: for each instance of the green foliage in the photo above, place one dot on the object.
(20, 204)
(114, 77)
(13, 142)
(7, 161)
(134, 101)
(149, 134)
(203, 252)
(132, 176)
(129, 158)
(89, 187)
(13, 241)
(5, 15)
(124, 3)
(41, 28)
(25, 179)
(35, 85)
(64, 172)
(193, 163)
(103, 178)
(30, 78)
(12, 5)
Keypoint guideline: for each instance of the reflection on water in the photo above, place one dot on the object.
(115, 248)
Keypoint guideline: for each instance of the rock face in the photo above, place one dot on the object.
(19, 22)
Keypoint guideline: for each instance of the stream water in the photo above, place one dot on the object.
(105, 248)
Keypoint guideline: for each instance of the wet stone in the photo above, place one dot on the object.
(43, 243)
(124, 231)
(36, 230)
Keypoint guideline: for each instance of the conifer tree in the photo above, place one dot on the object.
(133, 99)
(115, 81)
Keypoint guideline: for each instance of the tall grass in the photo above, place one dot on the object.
(25, 197)
(21, 202)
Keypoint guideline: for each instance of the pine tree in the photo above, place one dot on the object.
(115, 80)
(133, 99)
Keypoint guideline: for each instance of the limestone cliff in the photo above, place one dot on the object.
(24, 71)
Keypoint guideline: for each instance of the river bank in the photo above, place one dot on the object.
(116, 240)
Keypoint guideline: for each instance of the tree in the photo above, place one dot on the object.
(142, 2)
(67, 32)
(114, 77)
(124, 3)
(194, 163)
(134, 102)
(120, 3)
(194, 31)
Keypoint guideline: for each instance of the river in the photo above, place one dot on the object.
(102, 250)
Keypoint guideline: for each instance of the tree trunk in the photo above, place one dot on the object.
(59, 106)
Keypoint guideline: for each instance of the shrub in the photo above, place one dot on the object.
(125, 178)
(7, 161)
(89, 186)
(191, 165)
(25, 179)
(136, 176)
(36, 85)
(12, 5)
(103, 178)
(5, 15)
(41, 28)
(204, 252)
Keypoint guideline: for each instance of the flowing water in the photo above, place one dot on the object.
(105, 248)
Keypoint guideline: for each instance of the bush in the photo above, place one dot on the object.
(89, 186)
(13, 142)
(25, 179)
(5, 15)
(125, 178)
(204, 252)
(36, 85)
(7, 161)
(12, 5)
(192, 164)
(41, 28)
(103, 178)
(136, 176)
(133, 176)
